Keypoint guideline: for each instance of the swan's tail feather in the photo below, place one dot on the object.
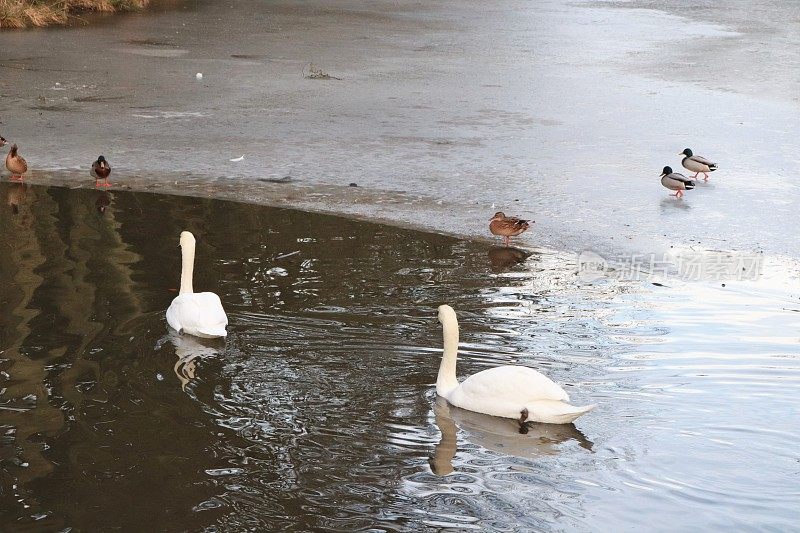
(556, 412)
(219, 331)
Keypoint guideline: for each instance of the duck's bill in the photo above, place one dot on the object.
(662, 175)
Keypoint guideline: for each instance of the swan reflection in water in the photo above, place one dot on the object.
(502, 258)
(496, 434)
(189, 350)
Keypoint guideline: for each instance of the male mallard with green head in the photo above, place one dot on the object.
(507, 227)
(16, 164)
(101, 170)
(697, 164)
(675, 182)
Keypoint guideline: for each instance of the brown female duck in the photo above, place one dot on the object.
(507, 227)
(16, 164)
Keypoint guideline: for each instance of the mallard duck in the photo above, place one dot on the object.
(195, 313)
(508, 391)
(101, 170)
(507, 227)
(697, 164)
(16, 164)
(675, 182)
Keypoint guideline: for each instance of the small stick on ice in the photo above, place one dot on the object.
(237, 159)
(284, 256)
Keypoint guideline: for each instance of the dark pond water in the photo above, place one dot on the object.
(319, 411)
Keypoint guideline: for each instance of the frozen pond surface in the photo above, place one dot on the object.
(319, 411)
(564, 112)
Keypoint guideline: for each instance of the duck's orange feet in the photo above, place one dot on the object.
(106, 184)
(17, 177)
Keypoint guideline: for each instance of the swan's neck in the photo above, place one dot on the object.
(187, 268)
(447, 380)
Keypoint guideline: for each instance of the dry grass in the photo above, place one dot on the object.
(38, 13)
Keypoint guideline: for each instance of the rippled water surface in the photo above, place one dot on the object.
(319, 411)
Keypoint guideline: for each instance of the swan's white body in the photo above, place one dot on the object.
(195, 313)
(505, 391)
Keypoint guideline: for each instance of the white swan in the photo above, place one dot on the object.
(196, 313)
(507, 391)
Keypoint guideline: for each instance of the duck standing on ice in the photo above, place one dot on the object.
(675, 182)
(16, 164)
(101, 170)
(697, 164)
(507, 227)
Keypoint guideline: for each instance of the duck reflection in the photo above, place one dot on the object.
(670, 204)
(189, 351)
(103, 201)
(496, 434)
(16, 196)
(502, 258)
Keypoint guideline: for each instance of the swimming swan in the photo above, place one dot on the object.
(196, 313)
(516, 392)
